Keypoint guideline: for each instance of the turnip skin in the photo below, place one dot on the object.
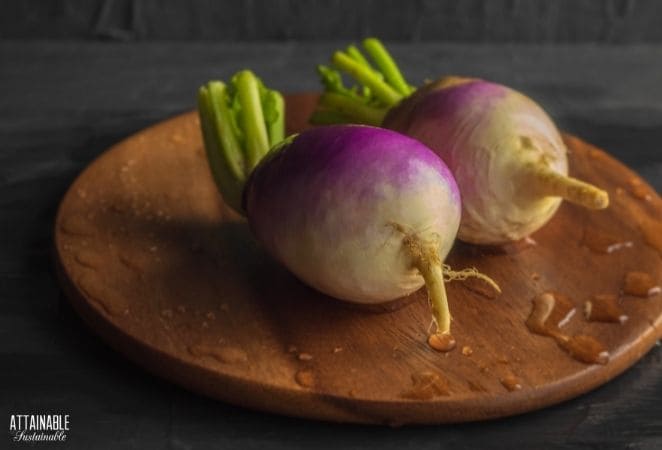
(488, 134)
(360, 213)
(335, 204)
(505, 152)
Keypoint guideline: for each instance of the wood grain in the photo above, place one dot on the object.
(167, 275)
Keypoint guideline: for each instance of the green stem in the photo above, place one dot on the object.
(222, 147)
(252, 118)
(385, 93)
(378, 90)
(387, 66)
(240, 123)
(356, 55)
(352, 109)
(276, 128)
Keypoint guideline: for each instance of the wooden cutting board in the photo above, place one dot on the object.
(169, 276)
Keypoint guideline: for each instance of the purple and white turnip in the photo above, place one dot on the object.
(360, 213)
(504, 151)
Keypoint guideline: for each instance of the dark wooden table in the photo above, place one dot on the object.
(61, 104)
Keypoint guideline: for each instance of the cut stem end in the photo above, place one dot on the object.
(240, 122)
(379, 87)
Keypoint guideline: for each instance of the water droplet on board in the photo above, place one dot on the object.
(638, 189)
(305, 378)
(224, 354)
(511, 382)
(511, 248)
(550, 312)
(442, 342)
(426, 385)
(181, 309)
(76, 226)
(210, 315)
(602, 242)
(467, 351)
(476, 387)
(89, 259)
(133, 262)
(640, 284)
(337, 349)
(595, 154)
(583, 348)
(530, 241)
(305, 357)
(177, 138)
(167, 313)
(93, 288)
(604, 308)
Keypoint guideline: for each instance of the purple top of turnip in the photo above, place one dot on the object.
(505, 152)
(361, 213)
(337, 191)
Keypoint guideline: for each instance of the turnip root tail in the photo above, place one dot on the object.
(434, 282)
(547, 182)
(381, 87)
(240, 122)
(425, 258)
(452, 275)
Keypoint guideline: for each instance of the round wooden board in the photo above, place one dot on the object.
(165, 273)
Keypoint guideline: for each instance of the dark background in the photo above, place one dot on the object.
(77, 76)
(530, 21)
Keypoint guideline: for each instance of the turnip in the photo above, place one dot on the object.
(360, 213)
(505, 152)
